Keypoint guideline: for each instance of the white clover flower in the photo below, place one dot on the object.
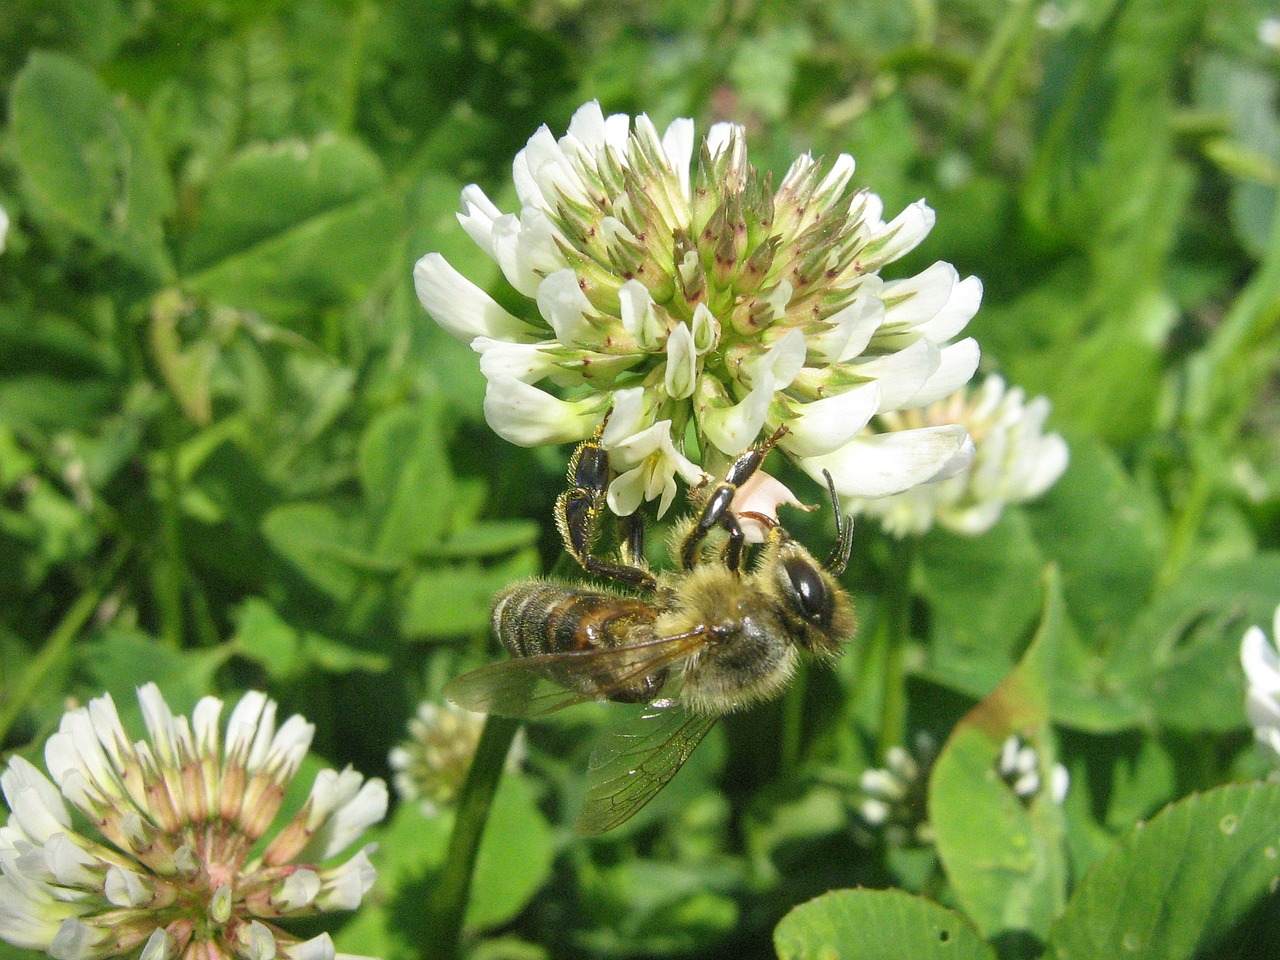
(1269, 32)
(1013, 461)
(4, 227)
(432, 765)
(894, 797)
(150, 849)
(1019, 767)
(1261, 662)
(706, 309)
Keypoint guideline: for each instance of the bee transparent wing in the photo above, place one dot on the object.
(541, 684)
(629, 769)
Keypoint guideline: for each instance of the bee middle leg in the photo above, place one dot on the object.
(717, 513)
(578, 511)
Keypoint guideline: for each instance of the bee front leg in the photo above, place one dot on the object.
(717, 511)
(578, 512)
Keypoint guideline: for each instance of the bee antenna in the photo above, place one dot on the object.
(839, 558)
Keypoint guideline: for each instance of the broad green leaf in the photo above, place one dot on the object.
(1105, 533)
(876, 925)
(1199, 877)
(983, 598)
(447, 601)
(122, 660)
(489, 538)
(266, 191)
(88, 161)
(407, 481)
(321, 545)
(1180, 658)
(411, 849)
(290, 228)
(1004, 854)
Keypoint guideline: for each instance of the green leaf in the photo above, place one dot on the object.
(876, 925)
(983, 598)
(449, 601)
(407, 481)
(286, 229)
(88, 161)
(320, 545)
(1199, 876)
(412, 849)
(123, 660)
(1004, 854)
(1181, 657)
(1106, 534)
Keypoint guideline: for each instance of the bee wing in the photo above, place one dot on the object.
(541, 684)
(629, 769)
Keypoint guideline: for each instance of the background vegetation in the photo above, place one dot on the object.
(234, 452)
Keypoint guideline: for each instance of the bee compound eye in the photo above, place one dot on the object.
(808, 591)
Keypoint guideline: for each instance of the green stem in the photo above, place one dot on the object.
(896, 627)
(59, 643)
(447, 906)
(793, 723)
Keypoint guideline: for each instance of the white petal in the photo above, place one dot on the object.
(734, 428)
(957, 364)
(887, 463)
(901, 374)
(780, 363)
(626, 492)
(677, 144)
(718, 138)
(639, 315)
(902, 235)
(529, 417)
(462, 308)
(587, 125)
(626, 417)
(346, 823)
(159, 946)
(477, 217)
(36, 804)
(918, 299)
(125, 888)
(317, 948)
(966, 297)
(828, 424)
(682, 363)
(851, 330)
(1260, 660)
(565, 307)
(526, 362)
(837, 178)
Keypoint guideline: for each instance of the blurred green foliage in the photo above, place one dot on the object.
(234, 452)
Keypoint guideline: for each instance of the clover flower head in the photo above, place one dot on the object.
(894, 797)
(1261, 661)
(1013, 461)
(432, 765)
(1019, 767)
(678, 287)
(150, 849)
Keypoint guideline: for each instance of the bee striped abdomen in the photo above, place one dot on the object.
(541, 617)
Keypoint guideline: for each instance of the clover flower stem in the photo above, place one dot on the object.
(59, 643)
(448, 904)
(171, 569)
(896, 627)
(793, 722)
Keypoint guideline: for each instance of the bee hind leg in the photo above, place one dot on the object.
(717, 510)
(578, 511)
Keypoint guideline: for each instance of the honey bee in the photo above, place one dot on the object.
(695, 643)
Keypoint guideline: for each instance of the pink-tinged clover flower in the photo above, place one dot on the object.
(672, 283)
(151, 849)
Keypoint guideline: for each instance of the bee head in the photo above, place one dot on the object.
(815, 602)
